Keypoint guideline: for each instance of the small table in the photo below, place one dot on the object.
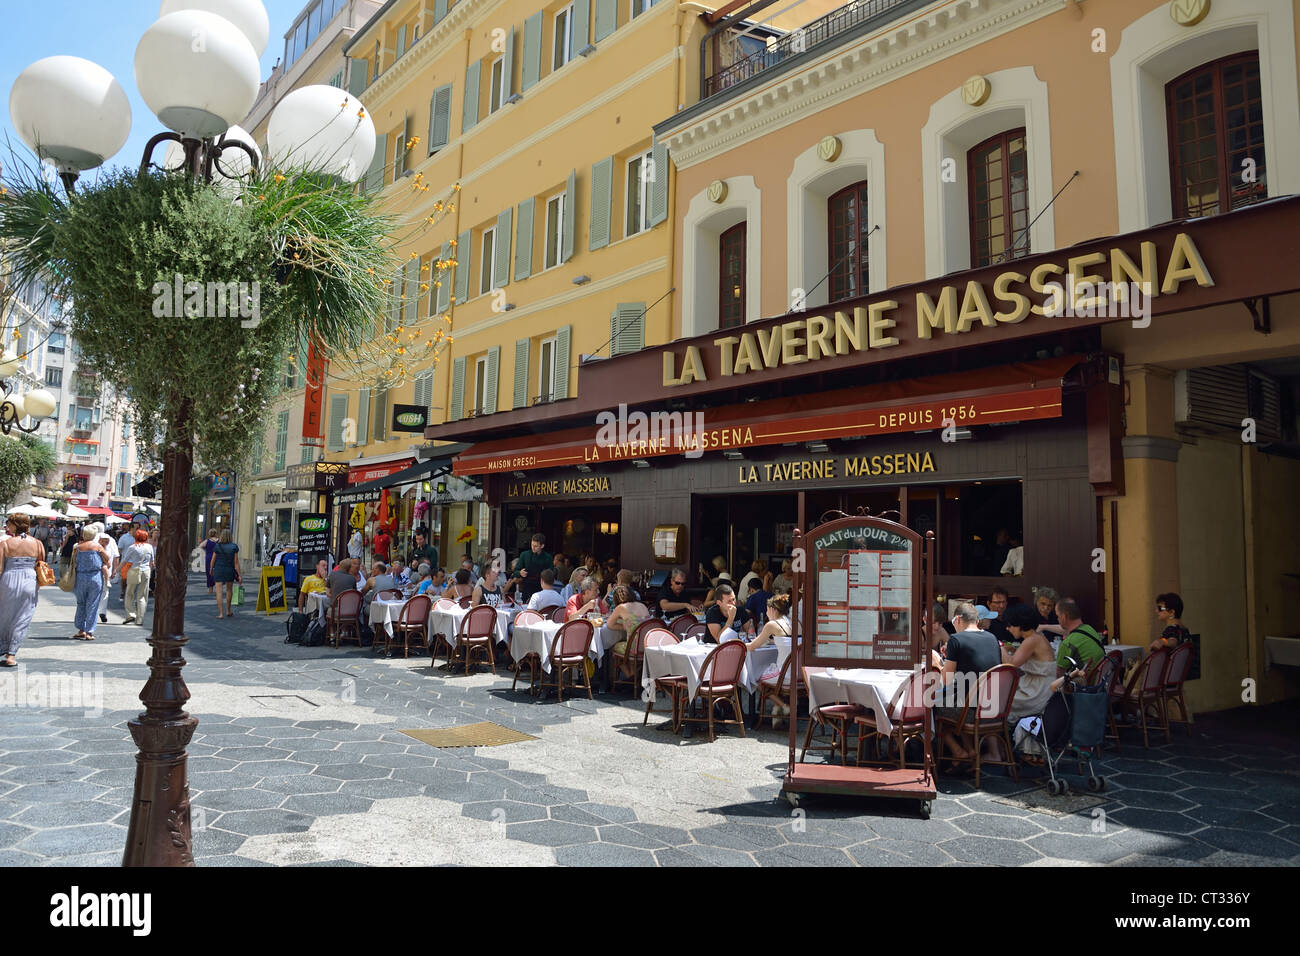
(537, 639)
(447, 620)
(318, 603)
(866, 687)
(385, 614)
(687, 659)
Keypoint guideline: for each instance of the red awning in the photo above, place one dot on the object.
(1007, 393)
(98, 511)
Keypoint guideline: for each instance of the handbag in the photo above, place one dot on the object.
(124, 568)
(237, 594)
(69, 579)
(44, 574)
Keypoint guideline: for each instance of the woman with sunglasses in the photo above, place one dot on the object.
(1169, 611)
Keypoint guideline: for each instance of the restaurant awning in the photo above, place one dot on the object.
(1007, 393)
(420, 471)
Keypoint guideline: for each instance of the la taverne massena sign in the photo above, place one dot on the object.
(1049, 290)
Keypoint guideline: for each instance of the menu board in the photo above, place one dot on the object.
(864, 581)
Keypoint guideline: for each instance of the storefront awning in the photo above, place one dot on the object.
(1007, 393)
(420, 471)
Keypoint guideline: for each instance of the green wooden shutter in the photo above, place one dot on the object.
(501, 247)
(602, 196)
(463, 258)
(439, 11)
(444, 277)
(400, 150)
(508, 67)
(363, 416)
(522, 348)
(470, 114)
(401, 41)
(357, 76)
(581, 25)
(532, 71)
(659, 183)
(256, 460)
(566, 241)
(381, 414)
(411, 296)
(281, 439)
(562, 337)
(394, 317)
(338, 412)
(490, 390)
(457, 390)
(440, 118)
(375, 175)
(524, 241)
(627, 328)
(606, 19)
(424, 392)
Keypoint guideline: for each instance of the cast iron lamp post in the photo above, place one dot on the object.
(197, 69)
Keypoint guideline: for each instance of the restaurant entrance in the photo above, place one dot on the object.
(574, 529)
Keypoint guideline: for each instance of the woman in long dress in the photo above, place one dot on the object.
(92, 567)
(18, 556)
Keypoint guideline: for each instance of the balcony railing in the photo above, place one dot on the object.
(802, 40)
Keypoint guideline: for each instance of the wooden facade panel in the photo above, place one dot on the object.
(1060, 535)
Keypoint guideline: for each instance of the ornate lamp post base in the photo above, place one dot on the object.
(159, 833)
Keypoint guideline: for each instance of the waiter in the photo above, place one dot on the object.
(530, 565)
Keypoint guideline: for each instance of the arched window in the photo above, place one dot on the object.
(999, 199)
(1216, 137)
(847, 230)
(731, 292)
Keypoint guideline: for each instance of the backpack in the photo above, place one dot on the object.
(296, 626)
(314, 636)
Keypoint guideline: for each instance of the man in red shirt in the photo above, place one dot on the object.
(382, 543)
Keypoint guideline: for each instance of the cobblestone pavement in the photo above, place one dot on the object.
(299, 759)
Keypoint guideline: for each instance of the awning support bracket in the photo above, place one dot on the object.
(1261, 313)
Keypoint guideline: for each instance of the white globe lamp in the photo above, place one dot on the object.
(197, 72)
(39, 403)
(322, 129)
(248, 15)
(70, 111)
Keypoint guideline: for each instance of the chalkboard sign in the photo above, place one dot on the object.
(313, 539)
(270, 591)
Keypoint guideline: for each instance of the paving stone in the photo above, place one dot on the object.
(608, 813)
(35, 758)
(914, 828)
(325, 804)
(437, 776)
(70, 841)
(803, 855)
(231, 860)
(56, 792)
(251, 822)
(247, 799)
(1171, 846)
(990, 851)
(1146, 781)
(65, 813)
(114, 761)
(571, 814)
(1254, 844)
(42, 743)
(18, 858)
(381, 789)
(245, 754)
(1161, 820)
(97, 746)
(1231, 818)
(739, 836)
(211, 841)
(12, 833)
(310, 747)
(551, 833)
(352, 771)
(1094, 848)
(223, 780)
(997, 825)
(394, 761)
(504, 811)
(1151, 800)
(703, 856)
(884, 852)
(1211, 781)
(603, 854)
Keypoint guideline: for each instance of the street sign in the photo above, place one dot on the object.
(270, 591)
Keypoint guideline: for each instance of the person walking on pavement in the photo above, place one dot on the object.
(140, 555)
(18, 556)
(225, 572)
(93, 565)
(124, 541)
(209, 548)
(67, 551)
(109, 545)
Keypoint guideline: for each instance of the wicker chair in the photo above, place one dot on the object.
(998, 686)
(478, 632)
(777, 690)
(681, 624)
(911, 714)
(413, 622)
(1180, 665)
(674, 685)
(720, 681)
(344, 617)
(531, 660)
(570, 649)
(627, 664)
(1146, 689)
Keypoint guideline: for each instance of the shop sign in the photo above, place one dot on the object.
(317, 476)
(280, 497)
(560, 487)
(360, 474)
(410, 418)
(313, 534)
(831, 469)
(223, 484)
(1051, 290)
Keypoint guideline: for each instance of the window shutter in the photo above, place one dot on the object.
(399, 160)
(581, 24)
(357, 76)
(524, 241)
(411, 297)
(439, 11)
(532, 71)
(457, 390)
(281, 439)
(440, 118)
(401, 41)
(562, 362)
(521, 373)
(659, 184)
(394, 317)
(363, 416)
(462, 267)
(508, 66)
(375, 175)
(501, 248)
(602, 185)
(627, 328)
(490, 390)
(424, 391)
(381, 414)
(606, 19)
(302, 364)
(444, 277)
(256, 461)
(338, 412)
(566, 242)
(470, 115)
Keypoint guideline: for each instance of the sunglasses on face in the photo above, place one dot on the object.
(1161, 607)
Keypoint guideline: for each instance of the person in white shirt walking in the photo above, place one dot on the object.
(115, 556)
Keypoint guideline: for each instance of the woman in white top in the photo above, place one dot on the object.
(778, 625)
(140, 555)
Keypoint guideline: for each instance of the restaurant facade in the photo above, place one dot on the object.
(948, 338)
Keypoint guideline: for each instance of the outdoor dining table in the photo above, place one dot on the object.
(446, 621)
(687, 659)
(318, 603)
(385, 613)
(537, 638)
(869, 688)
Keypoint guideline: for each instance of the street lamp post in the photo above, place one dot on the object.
(197, 68)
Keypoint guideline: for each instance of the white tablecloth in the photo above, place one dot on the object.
(385, 614)
(868, 687)
(318, 603)
(448, 622)
(688, 657)
(537, 638)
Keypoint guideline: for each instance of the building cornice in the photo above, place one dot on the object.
(863, 64)
(426, 50)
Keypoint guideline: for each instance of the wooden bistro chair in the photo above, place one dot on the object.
(478, 632)
(838, 717)
(627, 664)
(777, 690)
(681, 624)
(531, 660)
(698, 630)
(720, 681)
(345, 617)
(1001, 681)
(674, 685)
(557, 614)
(1146, 689)
(569, 651)
(440, 640)
(390, 594)
(911, 714)
(413, 623)
(1180, 664)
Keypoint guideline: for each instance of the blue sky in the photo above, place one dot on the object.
(105, 31)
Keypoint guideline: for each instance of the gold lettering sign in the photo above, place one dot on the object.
(1011, 297)
(547, 488)
(829, 469)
